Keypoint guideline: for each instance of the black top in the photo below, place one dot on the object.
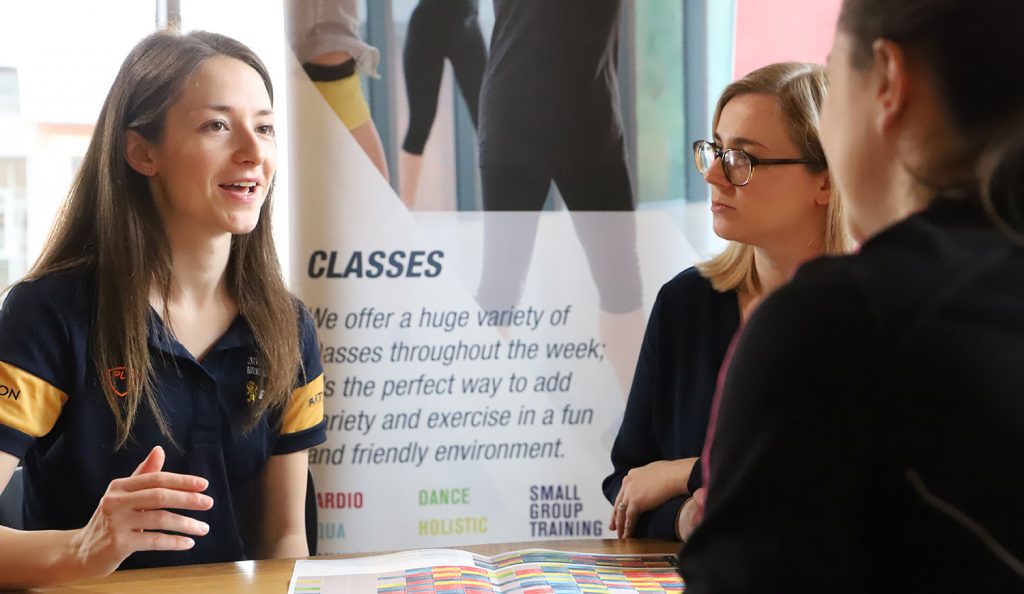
(54, 415)
(550, 90)
(871, 430)
(452, 8)
(666, 417)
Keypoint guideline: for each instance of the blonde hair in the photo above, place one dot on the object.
(799, 89)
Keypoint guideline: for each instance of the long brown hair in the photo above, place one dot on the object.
(972, 52)
(109, 225)
(799, 90)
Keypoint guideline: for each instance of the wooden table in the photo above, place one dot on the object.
(259, 577)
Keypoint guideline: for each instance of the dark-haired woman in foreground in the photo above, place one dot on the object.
(870, 435)
(167, 382)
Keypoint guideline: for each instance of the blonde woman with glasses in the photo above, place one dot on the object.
(773, 199)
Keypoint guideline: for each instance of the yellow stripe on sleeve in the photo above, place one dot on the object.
(306, 407)
(27, 403)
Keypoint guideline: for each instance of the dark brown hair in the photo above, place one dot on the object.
(973, 53)
(109, 225)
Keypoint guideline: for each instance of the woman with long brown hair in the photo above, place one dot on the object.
(154, 357)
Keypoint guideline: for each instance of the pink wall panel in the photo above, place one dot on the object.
(783, 30)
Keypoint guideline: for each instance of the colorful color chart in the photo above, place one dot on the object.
(441, 579)
(541, 572)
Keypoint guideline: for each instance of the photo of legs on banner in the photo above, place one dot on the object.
(571, 135)
(439, 30)
(324, 34)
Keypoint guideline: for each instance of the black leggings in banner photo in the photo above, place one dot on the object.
(439, 30)
(600, 201)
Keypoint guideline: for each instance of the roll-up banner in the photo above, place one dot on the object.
(477, 355)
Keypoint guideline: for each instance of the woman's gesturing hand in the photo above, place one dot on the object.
(132, 516)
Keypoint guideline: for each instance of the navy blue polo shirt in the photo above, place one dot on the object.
(54, 416)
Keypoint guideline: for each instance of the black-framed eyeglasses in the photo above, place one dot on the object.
(737, 164)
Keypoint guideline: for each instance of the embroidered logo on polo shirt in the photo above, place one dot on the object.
(118, 378)
(254, 371)
(253, 368)
(252, 392)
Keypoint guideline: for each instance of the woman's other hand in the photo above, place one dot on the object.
(645, 488)
(691, 514)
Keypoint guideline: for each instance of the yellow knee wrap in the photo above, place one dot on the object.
(345, 96)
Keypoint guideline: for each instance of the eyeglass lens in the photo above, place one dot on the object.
(737, 166)
(735, 162)
(705, 157)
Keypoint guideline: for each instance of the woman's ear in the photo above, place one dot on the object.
(824, 195)
(139, 153)
(890, 81)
